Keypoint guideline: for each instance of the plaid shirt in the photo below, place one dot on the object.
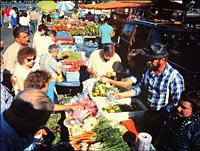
(158, 87)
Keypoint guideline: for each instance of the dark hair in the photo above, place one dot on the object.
(43, 27)
(52, 33)
(106, 20)
(24, 14)
(34, 8)
(110, 48)
(18, 30)
(15, 9)
(89, 13)
(37, 79)
(193, 97)
(24, 52)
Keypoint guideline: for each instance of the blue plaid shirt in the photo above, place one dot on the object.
(158, 87)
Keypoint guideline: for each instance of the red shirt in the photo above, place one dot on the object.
(6, 11)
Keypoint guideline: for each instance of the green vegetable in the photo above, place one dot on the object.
(110, 137)
(52, 124)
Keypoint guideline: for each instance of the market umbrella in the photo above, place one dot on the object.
(65, 5)
(47, 5)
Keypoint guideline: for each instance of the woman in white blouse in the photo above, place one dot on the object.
(26, 59)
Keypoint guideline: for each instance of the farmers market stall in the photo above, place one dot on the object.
(102, 123)
(70, 84)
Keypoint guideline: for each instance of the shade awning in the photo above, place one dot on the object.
(111, 5)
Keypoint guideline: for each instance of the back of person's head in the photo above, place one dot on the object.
(52, 33)
(193, 97)
(43, 27)
(37, 79)
(15, 9)
(34, 8)
(89, 13)
(24, 52)
(18, 30)
(24, 14)
(109, 48)
(54, 47)
(106, 20)
(30, 109)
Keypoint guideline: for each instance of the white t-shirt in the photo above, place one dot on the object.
(13, 13)
(97, 64)
(21, 72)
(41, 43)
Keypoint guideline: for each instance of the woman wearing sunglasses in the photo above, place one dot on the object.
(26, 59)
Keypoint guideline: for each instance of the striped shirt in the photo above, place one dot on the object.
(158, 87)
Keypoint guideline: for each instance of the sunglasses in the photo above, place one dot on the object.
(30, 59)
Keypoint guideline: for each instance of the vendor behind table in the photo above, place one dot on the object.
(104, 60)
(136, 66)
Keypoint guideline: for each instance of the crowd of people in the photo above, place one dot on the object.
(29, 73)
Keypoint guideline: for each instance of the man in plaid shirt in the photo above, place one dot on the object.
(161, 85)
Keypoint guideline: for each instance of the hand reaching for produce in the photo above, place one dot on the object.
(78, 108)
(126, 94)
(63, 55)
(119, 95)
(94, 75)
(105, 80)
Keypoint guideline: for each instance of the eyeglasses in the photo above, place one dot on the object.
(30, 59)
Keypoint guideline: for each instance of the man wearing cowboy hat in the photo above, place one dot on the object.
(161, 87)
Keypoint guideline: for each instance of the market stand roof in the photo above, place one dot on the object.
(111, 5)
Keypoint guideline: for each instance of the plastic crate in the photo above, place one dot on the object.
(72, 48)
(72, 76)
(79, 39)
(102, 102)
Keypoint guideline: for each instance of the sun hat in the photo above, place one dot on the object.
(155, 51)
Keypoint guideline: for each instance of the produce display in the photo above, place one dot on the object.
(73, 62)
(102, 89)
(72, 56)
(110, 136)
(121, 108)
(53, 125)
(101, 135)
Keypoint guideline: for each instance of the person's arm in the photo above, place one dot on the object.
(90, 71)
(125, 94)
(59, 107)
(176, 87)
(99, 34)
(123, 84)
(90, 65)
(20, 83)
(59, 70)
(63, 55)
